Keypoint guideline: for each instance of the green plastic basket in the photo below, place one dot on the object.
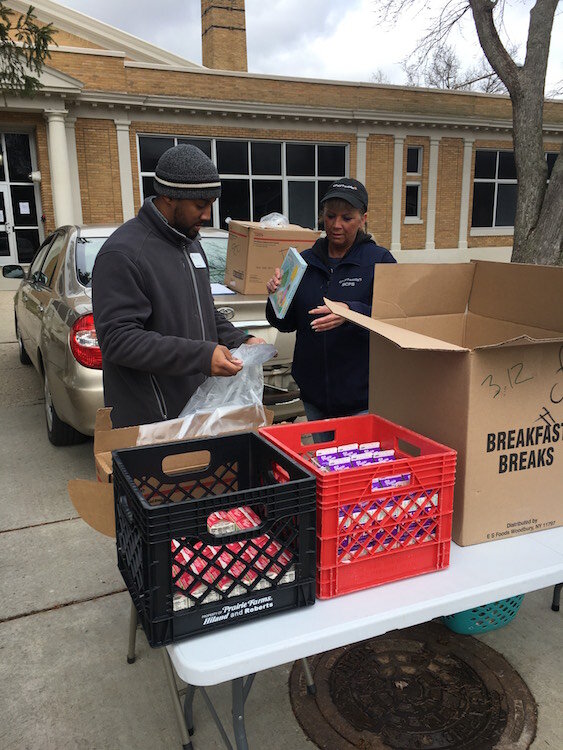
(485, 618)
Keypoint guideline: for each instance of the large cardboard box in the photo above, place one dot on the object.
(253, 252)
(471, 355)
(94, 501)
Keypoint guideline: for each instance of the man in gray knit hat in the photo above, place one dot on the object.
(158, 329)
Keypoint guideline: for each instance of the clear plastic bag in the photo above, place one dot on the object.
(220, 405)
(274, 221)
(216, 405)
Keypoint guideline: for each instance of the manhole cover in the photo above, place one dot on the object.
(425, 688)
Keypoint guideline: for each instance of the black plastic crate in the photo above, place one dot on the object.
(185, 579)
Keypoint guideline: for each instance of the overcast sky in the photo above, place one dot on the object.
(336, 39)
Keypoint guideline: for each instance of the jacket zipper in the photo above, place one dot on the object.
(159, 397)
(328, 399)
(194, 282)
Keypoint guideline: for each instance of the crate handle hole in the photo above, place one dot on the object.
(322, 436)
(406, 447)
(186, 463)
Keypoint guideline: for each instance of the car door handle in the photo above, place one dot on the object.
(24, 297)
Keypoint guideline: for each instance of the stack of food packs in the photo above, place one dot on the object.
(205, 571)
(367, 520)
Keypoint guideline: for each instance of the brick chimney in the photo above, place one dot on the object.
(223, 34)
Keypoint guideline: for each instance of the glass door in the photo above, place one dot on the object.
(7, 239)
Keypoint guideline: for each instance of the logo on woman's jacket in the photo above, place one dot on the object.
(348, 281)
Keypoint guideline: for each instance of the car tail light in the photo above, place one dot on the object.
(84, 343)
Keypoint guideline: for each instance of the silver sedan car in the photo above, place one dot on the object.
(55, 329)
(56, 334)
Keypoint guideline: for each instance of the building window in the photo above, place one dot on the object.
(414, 186)
(494, 189)
(551, 158)
(412, 201)
(414, 160)
(258, 177)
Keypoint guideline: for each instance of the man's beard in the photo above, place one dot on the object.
(190, 231)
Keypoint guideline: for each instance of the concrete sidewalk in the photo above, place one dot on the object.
(64, 680)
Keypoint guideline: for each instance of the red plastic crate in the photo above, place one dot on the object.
(368, 535)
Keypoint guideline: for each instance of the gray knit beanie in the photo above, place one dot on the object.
(186, 172)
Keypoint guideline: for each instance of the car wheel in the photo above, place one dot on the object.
(24, 356)
(59, 432)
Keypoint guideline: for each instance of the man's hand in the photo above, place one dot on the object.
(328, 319)
(274, 282)
(223, 363)
(255, 340)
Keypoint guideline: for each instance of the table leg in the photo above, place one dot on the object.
(186, 742)
(311, 687)
(556, 597)
(216, 719)
(189, 708)
(133, 619)
(238, 713)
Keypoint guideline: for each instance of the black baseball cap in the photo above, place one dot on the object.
(349, 190)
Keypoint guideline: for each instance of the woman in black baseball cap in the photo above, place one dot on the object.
(330, 362)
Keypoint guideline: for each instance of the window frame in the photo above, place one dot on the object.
(42, 279)
(416, 182)
(418, 218)
(283, 177)
(37, 260)
(493, 230)
(420, 151)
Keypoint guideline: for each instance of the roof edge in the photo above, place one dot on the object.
(97, 32)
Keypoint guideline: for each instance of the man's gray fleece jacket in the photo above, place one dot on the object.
(155, 319)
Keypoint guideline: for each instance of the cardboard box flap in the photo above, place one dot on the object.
(404, 338)
(255, 225)
(107, 438)
(527, 294)
(520, 341)
(412, 289)
(94, 503)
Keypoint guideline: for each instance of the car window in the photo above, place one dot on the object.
(215, 249)
(86, 250)
(51, 259)
(40, 255)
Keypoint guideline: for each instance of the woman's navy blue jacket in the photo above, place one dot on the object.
(331, 368)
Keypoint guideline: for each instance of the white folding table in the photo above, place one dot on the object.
(477, 575)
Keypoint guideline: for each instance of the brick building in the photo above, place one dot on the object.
(438, 164)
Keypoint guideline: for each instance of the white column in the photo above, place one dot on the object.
(125, 175)
(361, 156)
(432, 188)
(396, 211)
(59, 166)
(465, 190)
(73, 167)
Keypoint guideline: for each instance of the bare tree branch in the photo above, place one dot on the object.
(538, 225)
(494, 50)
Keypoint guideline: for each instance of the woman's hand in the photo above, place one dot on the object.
(274, 282)
(328, 319)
